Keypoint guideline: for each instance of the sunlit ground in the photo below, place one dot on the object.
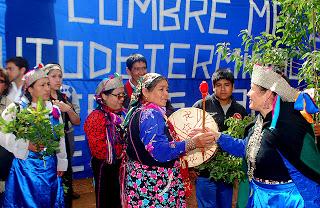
(85, 188)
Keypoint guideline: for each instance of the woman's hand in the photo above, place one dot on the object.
(60, 173)
(67, 108)
(64, 107)
(204, 139)
(196, 131)
(34, 148)
(200, 139)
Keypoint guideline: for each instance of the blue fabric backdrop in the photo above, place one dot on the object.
(91, 39)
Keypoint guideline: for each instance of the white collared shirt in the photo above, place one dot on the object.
(132, 85)
(14, 92)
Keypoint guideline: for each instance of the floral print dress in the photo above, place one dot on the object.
(155, 185)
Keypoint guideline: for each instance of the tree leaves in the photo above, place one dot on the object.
(33, 124)
(295, 37)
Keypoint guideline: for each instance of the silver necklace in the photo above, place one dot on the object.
(253, 146)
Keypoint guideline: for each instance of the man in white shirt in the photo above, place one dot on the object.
(16, 67)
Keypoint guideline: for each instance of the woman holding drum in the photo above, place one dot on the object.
(153, 170)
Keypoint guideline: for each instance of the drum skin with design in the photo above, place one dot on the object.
(186, 119)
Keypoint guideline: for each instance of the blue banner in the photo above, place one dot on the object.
(91, 39)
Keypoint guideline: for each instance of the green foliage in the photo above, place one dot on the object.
(236, 126)
(223, 166)
(297, 28)
(310, 72)
(34, 125)
(298, 19)
(265, 49)
(234, 55)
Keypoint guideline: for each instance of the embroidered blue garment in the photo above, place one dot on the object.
(153, 136)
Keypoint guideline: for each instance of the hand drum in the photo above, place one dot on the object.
(186, 119)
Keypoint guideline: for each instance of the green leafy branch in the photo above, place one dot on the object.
(297, 30)
(265, 51)
(33, 124)
(236, 127)
(299, 26)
